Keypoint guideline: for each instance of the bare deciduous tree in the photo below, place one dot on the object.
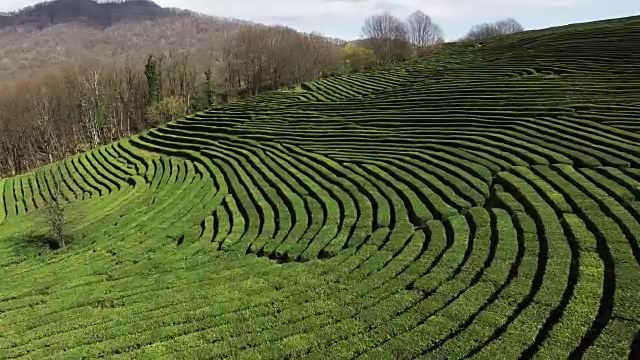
(387, 36)
(43, 104)
(260, 58)
(384, 26)
(423, 31)
(502, 27)
(92, 107)
(509, 26)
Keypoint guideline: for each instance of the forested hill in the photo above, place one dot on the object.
(64, 33)
(100, 14)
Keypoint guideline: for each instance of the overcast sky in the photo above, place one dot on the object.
(343, 18)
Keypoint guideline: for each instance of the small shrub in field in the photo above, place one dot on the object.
(55, 216)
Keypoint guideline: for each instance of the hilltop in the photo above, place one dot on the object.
(480, 203)
(50, 35)
(88, 12)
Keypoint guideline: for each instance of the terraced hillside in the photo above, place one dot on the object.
(483, 203)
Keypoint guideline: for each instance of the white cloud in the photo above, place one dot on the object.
(11, 5)
(253, 9)
(342, 18)
(468, 8)
(248, 9)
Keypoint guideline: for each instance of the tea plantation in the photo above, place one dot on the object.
(480, 203)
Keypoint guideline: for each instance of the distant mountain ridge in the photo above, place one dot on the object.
(101, 14)
(72, 32)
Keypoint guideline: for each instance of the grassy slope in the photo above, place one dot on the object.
(478, 204)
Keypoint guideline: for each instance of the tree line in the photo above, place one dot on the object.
(74, 108)
(387, 38)
(488, 30)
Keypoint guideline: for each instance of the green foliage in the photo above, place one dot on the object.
(153, 74)
(358, 58)
(210, 88)
(167, 109)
